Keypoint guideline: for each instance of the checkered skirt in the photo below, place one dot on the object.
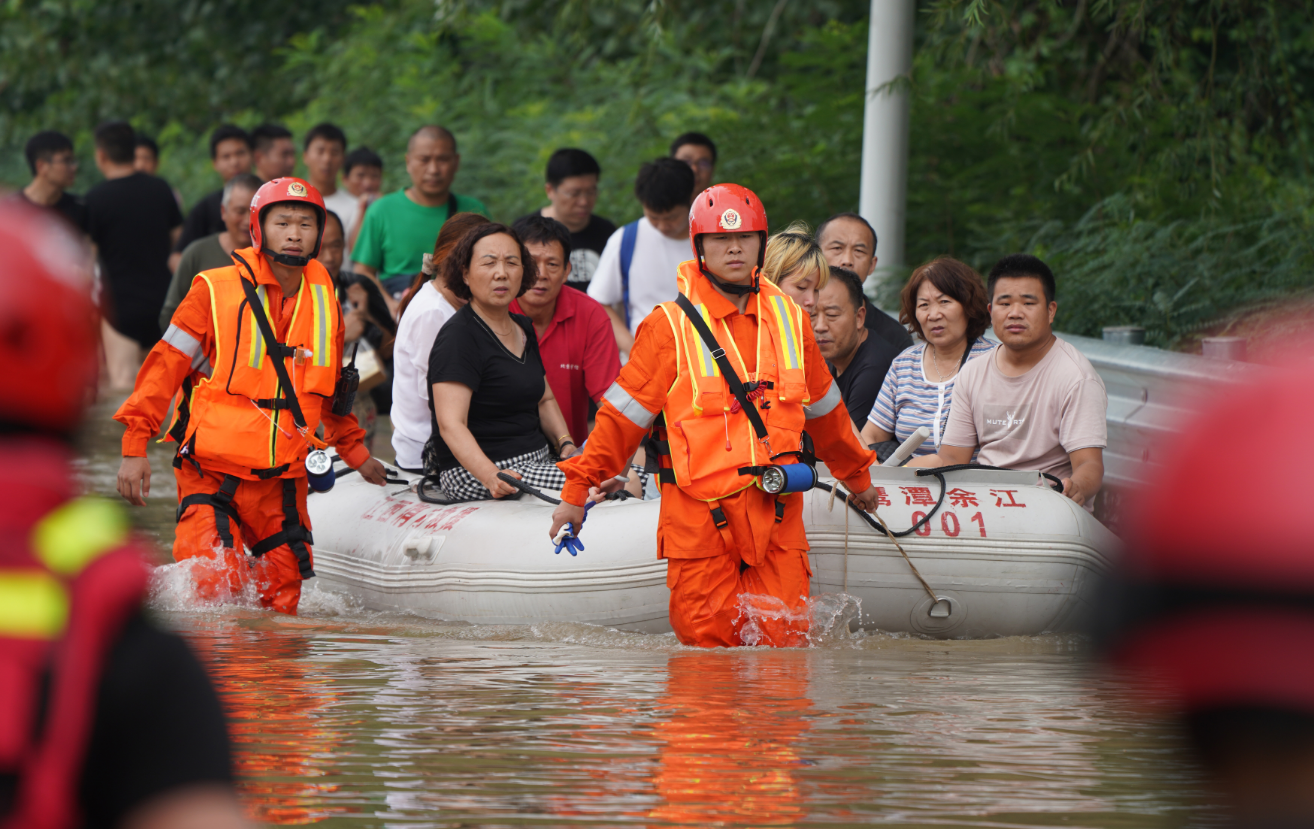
(536, 469)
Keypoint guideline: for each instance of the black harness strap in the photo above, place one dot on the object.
(665, 476)
(271, 472)
(723, 363)
(222, 502)
(277, 350)
(293, 534)
(780, 510)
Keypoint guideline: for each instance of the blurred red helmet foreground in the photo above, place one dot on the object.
(48, 324)
(1215, 596)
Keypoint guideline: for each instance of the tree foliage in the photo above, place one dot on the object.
(1157, 151)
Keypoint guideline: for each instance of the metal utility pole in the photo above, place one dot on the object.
(883, 194)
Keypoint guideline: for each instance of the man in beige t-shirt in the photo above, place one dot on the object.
(1034, 402)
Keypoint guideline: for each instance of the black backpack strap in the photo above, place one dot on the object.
(277, 350)
(723, 363)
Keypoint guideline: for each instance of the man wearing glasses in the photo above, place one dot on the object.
(54, 169)
(698, 151)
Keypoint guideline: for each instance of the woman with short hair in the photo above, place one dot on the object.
(944, 303)
(493, 410)
(795, 263)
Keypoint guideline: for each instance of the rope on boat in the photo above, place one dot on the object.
(877, 522)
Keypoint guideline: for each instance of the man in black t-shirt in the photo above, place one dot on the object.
(572, 189)
(134, 221)
(54, 168)
(230, 154)
(858, 359)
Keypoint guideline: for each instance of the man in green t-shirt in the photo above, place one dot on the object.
(399, 228)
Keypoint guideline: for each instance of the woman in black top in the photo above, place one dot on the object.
(493, 409)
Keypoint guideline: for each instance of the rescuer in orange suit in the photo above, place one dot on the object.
(250, 404)
(722, 533)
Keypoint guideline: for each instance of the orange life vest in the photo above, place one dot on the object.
(237, 422)
(710, 438)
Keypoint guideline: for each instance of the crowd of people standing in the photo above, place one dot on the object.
(583, 286)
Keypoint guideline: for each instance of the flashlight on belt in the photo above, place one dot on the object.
(319, 471)
(790, 477)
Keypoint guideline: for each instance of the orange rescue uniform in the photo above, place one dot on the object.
(722, 535)
(240, 465)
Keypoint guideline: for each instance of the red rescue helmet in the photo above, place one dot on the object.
(277, 191)
(727, 208)
(1215, 595)
(48, 327)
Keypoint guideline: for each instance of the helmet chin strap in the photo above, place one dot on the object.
(733, 287)
(730, 287)
(287, 258)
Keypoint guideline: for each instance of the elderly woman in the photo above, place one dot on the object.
(944, 303)
(795, 263)
(492, 407)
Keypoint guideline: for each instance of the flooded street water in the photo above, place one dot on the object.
(348, 717)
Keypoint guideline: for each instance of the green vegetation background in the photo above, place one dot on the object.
(1157, 153)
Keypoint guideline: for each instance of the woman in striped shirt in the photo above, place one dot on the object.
(944, 304)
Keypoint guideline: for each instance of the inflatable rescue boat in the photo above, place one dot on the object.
(982, 553)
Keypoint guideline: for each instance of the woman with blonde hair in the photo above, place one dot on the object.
(794, 262)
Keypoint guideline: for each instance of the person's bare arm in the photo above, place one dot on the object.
(947, 456)
(554, 424)
(174, 236)
(208, 806)
(624, 339)
(871, 433)
(451, 409)
(1087, 474)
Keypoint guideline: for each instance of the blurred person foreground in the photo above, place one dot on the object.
(105, 719)
(1210, 610)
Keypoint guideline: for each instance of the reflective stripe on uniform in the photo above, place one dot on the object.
(182, 341)
(33, 604)
(706, 360)
(257, 339)
(825, 405)
(628, 406)
(319, 298)
(784, 323)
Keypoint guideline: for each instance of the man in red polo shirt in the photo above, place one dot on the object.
(575, 340)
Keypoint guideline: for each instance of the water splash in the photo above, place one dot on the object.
(824, 620)
(174, 588)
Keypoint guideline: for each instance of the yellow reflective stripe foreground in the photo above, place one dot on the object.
(70, 537)
(33, 604)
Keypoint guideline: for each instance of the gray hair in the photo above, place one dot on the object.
(246, 180)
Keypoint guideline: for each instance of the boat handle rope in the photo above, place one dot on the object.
(1056, 484)
(878, 523)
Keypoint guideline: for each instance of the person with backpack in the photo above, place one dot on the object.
(636, 271)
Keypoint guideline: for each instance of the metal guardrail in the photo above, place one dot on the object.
(1151, 392)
